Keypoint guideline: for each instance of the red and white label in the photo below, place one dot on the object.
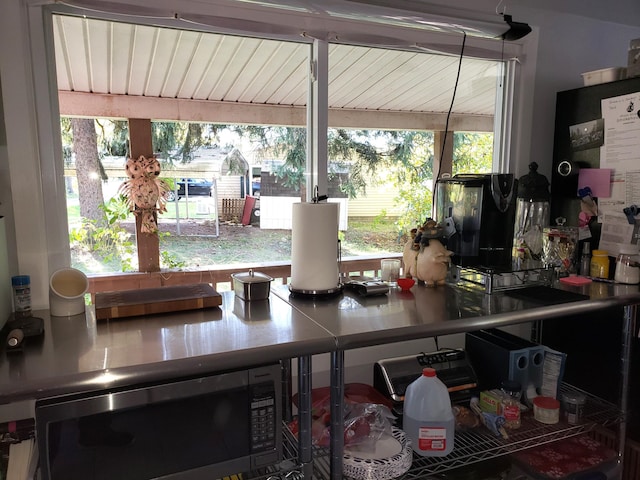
(511, 412)
(432, 439)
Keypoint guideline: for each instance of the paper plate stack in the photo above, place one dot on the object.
(392, 457)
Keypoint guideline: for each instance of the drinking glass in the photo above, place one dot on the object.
(390, 268)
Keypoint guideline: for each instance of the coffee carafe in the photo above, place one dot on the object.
(532, 216)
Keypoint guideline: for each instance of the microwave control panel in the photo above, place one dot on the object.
(263, 418)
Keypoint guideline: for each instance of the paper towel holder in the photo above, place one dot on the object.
(327, 292)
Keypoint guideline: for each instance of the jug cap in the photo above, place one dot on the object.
(533, 186)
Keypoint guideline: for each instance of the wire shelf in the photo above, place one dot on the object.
(491, 280)
(480, 444)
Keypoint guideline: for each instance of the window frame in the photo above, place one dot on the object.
(47, 111)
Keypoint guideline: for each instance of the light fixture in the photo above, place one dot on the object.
(516, 31)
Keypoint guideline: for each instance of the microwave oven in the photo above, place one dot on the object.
(206, 427)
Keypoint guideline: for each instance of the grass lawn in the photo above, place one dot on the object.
(197, 246)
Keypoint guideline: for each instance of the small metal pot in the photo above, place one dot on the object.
(251, 285)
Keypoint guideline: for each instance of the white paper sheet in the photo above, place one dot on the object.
(621, 149)
(621, 152)
(616, 230)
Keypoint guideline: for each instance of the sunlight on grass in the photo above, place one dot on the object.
(198, 247)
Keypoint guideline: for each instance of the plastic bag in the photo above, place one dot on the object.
(364, 423)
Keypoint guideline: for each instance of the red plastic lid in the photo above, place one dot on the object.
(429, 372)
(548, 403)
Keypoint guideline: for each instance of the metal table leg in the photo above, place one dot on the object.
(305, 452)
(628, 337)
(336, 444)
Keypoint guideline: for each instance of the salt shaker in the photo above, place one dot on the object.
(585, 260)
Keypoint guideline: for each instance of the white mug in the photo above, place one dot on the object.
(67, 287)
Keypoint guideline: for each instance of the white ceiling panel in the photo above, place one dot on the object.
(99, 56)
(120, 58)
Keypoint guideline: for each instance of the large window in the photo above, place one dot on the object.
(233, 133)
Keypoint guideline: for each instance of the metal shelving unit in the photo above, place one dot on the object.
(480, 444)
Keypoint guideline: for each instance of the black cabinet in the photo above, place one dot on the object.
(593, 342)
(570, 154)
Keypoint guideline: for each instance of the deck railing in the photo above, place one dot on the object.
(220, 278)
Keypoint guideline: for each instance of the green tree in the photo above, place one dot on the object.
(404, 158)
(472, 152)
(113, 137)
(176, 141)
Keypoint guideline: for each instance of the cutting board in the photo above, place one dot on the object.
(149, 301)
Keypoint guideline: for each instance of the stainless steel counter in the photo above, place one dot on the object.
(79, 354)
(426, 312)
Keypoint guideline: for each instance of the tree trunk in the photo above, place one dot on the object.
(85, 147)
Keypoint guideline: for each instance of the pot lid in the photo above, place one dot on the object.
(252, 277)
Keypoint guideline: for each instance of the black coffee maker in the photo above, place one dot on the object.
(477, 212)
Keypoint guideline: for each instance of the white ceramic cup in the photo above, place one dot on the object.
(67, 287)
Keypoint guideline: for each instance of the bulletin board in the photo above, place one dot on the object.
(618, 177)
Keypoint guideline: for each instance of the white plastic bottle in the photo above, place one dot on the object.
(428, 419)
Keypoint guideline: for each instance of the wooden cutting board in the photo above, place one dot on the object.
(149, 301)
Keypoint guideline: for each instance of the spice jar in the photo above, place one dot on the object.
(627, 267)
(511, 392)
(21, 296)
(600, 264)
(573, 406)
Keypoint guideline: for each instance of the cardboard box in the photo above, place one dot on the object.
(603, 76)
(491, 401)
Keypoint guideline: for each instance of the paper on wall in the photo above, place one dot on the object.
(616, 230)
(621, 149)
(621, 152)
(597, 179)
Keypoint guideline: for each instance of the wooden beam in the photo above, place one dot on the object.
(443, 160)
(173, 109)
(148, 243)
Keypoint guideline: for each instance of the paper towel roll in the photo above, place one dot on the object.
(314, 247)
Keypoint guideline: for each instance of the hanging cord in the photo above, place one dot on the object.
(446, 126)
(502, 63)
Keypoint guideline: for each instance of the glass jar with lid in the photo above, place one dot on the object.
(600, 264)
(511, 392)
(559, 248)
(627, 267)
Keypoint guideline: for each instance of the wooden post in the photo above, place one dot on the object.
(148, 243)
(446, 162)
